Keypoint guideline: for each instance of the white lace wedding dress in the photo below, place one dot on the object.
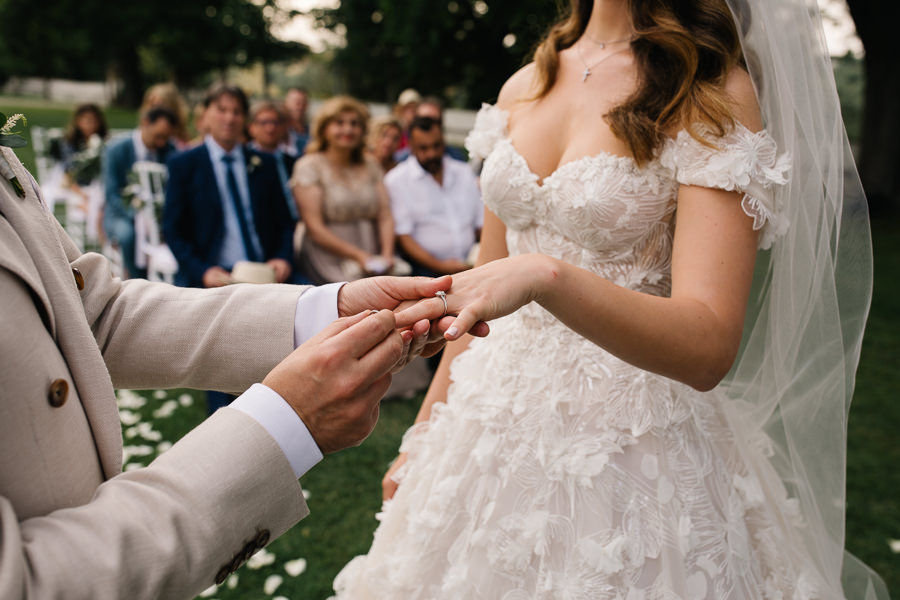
(556, 470)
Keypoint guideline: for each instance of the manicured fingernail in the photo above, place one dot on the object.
(452, 331)
(372, 311)
(407, 336)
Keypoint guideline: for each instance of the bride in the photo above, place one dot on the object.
(677, 257)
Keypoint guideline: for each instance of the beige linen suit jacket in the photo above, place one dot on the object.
(71, 524)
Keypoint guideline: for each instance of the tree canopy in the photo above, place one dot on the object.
(141, 42)
(462, 50)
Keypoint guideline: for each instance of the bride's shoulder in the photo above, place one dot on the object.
(520, 86)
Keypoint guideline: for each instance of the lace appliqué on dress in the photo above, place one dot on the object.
(739, 161)
(490, 128)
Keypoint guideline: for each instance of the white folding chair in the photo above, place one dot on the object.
(150, 251)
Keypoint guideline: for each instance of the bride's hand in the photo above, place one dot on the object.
(388, 485)
(493, 290)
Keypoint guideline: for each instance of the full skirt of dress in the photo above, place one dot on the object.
(556, 470)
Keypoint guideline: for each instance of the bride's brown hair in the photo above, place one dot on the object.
(684, 50)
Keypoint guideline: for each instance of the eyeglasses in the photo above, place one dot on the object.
(268, 122)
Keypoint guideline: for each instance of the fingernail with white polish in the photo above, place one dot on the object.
(452, 331)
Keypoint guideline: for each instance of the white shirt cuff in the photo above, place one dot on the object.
(276, 416)
(316, 308)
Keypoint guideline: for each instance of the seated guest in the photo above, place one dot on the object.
(296, 103)
(341, 198)
(225, 204)
(268, 131)
(150, 141)
(405, 111)
(78, 154)
(384, 141)
(436, 204)
(86, 129)
(166, 94)
(432, 108)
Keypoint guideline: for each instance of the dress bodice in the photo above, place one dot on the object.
(606, 214)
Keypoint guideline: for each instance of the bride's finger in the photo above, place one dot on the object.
(466, 320)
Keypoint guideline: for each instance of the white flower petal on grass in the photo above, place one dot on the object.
(280, 598)
(167, 409)
(129, 418)
(186, 400)
(261, 559)
(272, 583)
(232, 581)
(132, 467)
(210, 591)
(145, 430)
(163, 446)
(295, 567)
(129, 451)
(128, 399)
(159, 394)
(305, 494)
(895, 546)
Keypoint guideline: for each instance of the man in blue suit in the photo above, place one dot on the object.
(224, 201)
(224, 204)
(150, 141)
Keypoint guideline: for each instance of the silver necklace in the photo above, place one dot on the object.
(587, 68)
(605, 44)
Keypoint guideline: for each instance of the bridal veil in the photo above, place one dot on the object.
(794, 376)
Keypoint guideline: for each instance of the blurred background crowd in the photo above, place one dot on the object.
(234, 191)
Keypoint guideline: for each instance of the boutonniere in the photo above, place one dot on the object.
(253, 161)
(9, 137)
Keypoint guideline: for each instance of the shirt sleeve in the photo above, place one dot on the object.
(270, 410)
(403, 221)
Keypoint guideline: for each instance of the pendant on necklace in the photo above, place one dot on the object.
(585, 74)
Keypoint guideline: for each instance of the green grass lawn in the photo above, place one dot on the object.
(345, 489)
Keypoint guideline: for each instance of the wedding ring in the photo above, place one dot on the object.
(443, 297)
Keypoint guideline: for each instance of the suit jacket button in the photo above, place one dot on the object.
(262, 538)
(58, 393)
(222, 575)
(79, 279)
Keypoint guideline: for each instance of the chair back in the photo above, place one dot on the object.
(151, 252)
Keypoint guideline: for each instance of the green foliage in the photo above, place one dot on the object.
(850, 77)
(462, 50)
(172, 39)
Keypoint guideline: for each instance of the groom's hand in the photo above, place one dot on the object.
(336, 379)
(387, 292)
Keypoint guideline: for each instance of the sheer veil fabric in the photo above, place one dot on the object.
(794, 376)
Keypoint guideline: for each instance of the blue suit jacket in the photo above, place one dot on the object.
(193, 218)
(118, 158)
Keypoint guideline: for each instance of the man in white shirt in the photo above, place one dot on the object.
(436, 203)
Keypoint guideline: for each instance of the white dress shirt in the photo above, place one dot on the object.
(442, 218)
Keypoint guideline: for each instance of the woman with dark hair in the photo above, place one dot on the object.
(80, 147)
(676, 252)
(341, 198)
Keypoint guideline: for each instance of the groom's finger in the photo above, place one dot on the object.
(413, 288)
(339, 325)
(381, 358)
(364, 335)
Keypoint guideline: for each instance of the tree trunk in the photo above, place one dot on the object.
(879, 163)
(128, 68)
